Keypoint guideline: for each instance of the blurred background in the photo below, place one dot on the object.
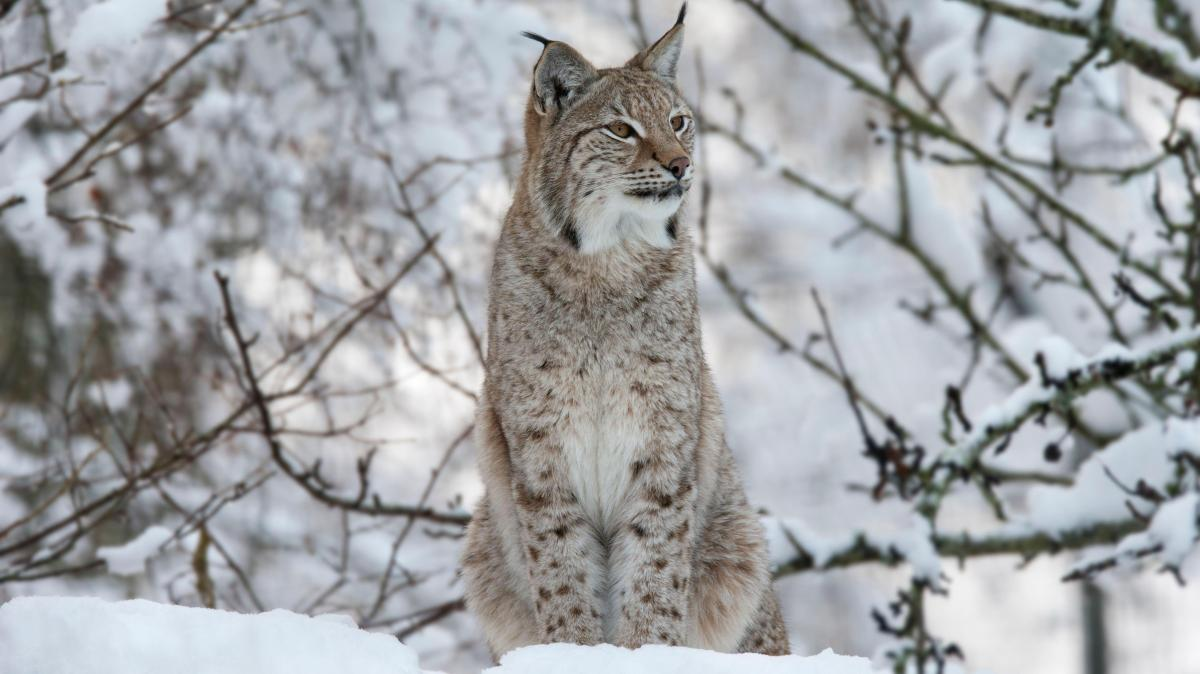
(345, 165)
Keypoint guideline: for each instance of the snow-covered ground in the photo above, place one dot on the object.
(606, 659)
(273, 177)
(60, 635)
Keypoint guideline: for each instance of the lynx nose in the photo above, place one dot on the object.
(678, 165)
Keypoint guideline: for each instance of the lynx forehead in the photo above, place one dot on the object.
(613, 510)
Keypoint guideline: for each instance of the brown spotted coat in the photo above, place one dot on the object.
(613, 509)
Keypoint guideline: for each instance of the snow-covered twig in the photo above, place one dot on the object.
(862, 548)
(1051, 392)
(1170, 535)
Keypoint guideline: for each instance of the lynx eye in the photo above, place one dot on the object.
(620, 129)
(679, 123)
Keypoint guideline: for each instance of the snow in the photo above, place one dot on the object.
(115, 393)
(130, 559)
(14, 115)
(111, 25)
(1185, 362)
(821, 547)
(143, 637)
(1173, 532)
(31, 212)
(1060, 356)
(1060, 360)
(1000, 414)
(1175, 526)
(273, 162)
(914, 543)
(1183, 436)
(60, 635)
(606, 659)
(338, 618)
(934, 227)
(1094, 497)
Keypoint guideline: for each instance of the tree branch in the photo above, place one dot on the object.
(310, 478)
(962, 546)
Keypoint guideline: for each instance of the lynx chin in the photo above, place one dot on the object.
(613, 509)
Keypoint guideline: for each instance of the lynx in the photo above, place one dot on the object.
(613, 510)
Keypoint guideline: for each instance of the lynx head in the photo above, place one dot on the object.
(609, 151)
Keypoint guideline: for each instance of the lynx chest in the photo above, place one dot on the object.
(606, 425)
(604, 380)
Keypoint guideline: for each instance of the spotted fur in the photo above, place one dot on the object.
(613, 509)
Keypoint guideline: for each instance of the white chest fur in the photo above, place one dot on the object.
(601, 437)
(602, 225)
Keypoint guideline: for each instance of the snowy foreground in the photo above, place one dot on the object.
(61, 635)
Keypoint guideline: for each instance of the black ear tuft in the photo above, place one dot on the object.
(538, 38)
(682, 13)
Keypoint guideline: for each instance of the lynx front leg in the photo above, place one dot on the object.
(651, 554)
(563, 557)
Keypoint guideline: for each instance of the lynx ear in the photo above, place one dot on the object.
(662, 56)
(561, 74)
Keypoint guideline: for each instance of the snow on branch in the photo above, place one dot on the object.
(1093, 510)
(1063, 378)
(1150, 477)
(796, 550)
(1171, 535)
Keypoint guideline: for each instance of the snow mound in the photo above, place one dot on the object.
(61, 635)
(606, 659)
(81, 635)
